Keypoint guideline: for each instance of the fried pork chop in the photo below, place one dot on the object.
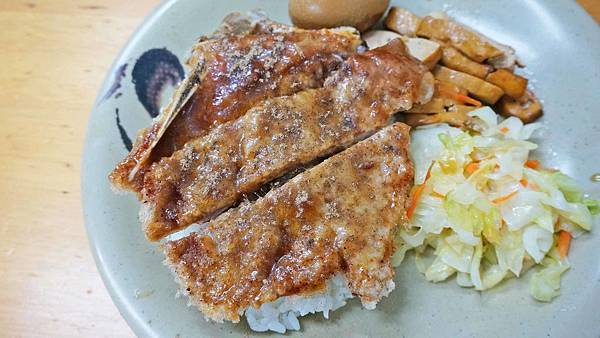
(245, 61)
(214, 172)
(338, 217)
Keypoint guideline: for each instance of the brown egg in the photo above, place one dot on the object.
(361, 14)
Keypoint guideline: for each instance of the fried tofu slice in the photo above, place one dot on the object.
(377, 38)
(214, 172)
(340, 216)
(527, 107)
(443, 86)
(248, 59)
(427, 51)
(454, 59)
(512, 84)
(438, 26)
(402, 21)
(466, 40)
(476, 87)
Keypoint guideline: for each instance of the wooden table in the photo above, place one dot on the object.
(54, 56)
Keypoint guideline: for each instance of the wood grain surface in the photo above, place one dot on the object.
(53, 58)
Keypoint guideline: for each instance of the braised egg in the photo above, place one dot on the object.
(313, 14)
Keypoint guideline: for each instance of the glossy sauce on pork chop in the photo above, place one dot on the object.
(231, 72)
(338, 217)
(214, 172)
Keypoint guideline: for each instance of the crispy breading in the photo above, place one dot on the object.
(240, 65)
(214, 172)
(337, 217)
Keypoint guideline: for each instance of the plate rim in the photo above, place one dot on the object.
(137, 325)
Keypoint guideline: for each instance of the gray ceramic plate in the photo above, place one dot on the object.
(559, 43)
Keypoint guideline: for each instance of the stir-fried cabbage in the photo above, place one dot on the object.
(483, 212)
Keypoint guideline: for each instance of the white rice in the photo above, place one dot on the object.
(282, 314)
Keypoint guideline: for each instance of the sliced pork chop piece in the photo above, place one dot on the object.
(244, 62)
(214, 172)
(337, 217)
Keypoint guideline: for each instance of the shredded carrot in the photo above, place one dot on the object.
(533, 164)
(563, 243)
(504, 198)
(462, 98)
(416, 192)
(524, 182)
(504, 130)
(428, 173)
(471, 168)
(415, 196)
(466, 99)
